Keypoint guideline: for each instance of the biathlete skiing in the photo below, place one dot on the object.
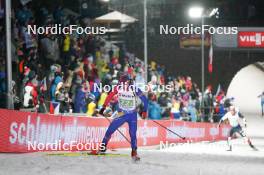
(127, 94)
(233, 116)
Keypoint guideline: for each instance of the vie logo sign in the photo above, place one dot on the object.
(251, 39)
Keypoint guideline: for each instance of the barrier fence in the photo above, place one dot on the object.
(20, 131)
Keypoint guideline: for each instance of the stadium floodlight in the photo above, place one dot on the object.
(104, 1)
(196, 12)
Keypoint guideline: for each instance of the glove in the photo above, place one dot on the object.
(101, 112)
(144, 115)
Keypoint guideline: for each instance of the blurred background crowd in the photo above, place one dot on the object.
(60, 71)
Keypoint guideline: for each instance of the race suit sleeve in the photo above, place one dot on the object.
(240, 115)
(224, 117)
(110, 96)
(143, 98)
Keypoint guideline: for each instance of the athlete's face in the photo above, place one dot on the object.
(126, 84)
(233, 111)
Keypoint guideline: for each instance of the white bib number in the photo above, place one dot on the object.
(126, 101)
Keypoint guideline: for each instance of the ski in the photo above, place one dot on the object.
(76, 154)
(253, 147)
(107, 155)
(135, 160)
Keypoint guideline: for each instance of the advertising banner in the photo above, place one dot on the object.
(28, 132)
(250, 39)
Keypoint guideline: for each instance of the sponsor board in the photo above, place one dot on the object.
(19, 129)
(250, 39)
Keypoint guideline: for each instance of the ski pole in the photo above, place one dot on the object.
(169, 129)
(117, 129)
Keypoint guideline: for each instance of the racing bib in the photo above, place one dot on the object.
(126, 100)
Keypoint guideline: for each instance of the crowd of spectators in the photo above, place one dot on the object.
(64, 69)
(184, 100)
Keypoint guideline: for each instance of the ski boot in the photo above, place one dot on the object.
(251, 145)
(229, 148)
(100, 151)
(135, 156)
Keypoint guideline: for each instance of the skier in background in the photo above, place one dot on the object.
(233, 116)
(261, 96)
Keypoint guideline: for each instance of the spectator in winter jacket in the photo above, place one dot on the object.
(154, 110)
(31, 92)
(66, 49)
(162, 100)
(175, 108)
(50, 49)
(28, 99)
(91, 105)
(80, 100)
(188, 83)
(192, 111)
(102, 99)
(23, 15)
(54, 84)
(140, 81)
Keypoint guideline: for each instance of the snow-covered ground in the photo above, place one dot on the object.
(199, 158)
